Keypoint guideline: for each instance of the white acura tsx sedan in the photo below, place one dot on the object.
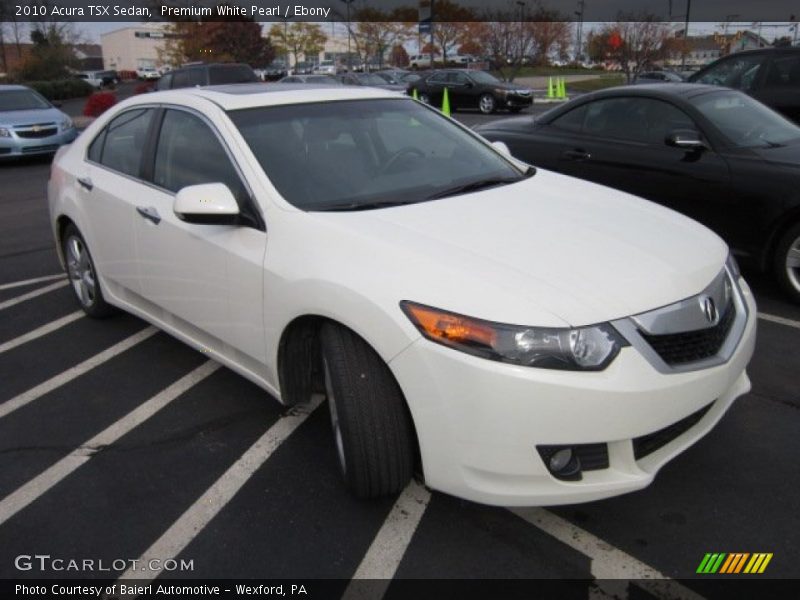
(515, 336)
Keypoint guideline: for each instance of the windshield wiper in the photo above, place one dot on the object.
(474, 186)
(770, 144)
(354, 206)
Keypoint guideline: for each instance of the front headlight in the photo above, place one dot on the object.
(579, 349)
(66, 123)
(5, 132)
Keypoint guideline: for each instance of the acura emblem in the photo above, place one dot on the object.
(709, 309)
(36, 128)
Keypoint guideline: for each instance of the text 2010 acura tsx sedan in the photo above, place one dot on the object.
(519, 337)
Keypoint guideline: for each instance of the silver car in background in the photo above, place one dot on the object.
(31, 125)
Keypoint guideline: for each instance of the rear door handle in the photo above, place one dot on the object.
(85, 182)
(576, 155)
(149, 213)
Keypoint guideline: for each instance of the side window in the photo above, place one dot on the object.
(784, 72)
(438, 78)
(123, 141)
(197, 77)
(180, 79)
(739, 72)
(165, 82)
(189, 154)
(662, 118)
(457, 78)
(572, 121)
(618, 118)
(96, 147)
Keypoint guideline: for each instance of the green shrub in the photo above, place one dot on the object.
(61, 89)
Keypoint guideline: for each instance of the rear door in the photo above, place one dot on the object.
(781, 85)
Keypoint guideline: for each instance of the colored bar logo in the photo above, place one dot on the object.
(734, 563)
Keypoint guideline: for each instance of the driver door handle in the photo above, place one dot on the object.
(149, 213)
(86, 183)
(576, 155)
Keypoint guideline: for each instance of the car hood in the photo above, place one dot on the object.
(521, 123)
(30, 117)
(550, 251)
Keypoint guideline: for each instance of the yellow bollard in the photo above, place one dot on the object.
(446, 103)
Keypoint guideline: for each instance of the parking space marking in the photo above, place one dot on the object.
(43, 482)
(779, 320)
(15, 284)
(41, 331)
(607, 562)
(90, 363)
(33, 294)
(389, 546)
(173, 541)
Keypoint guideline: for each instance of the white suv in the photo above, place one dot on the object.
(517, 336)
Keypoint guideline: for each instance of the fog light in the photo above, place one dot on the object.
(560, 459)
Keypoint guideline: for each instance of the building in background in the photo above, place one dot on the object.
(706, 49)
(132, 48)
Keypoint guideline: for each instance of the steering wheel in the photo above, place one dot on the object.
(394, 157)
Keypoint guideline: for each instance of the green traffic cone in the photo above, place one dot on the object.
(446, 103)
(414, 94)
(564, 88)
(551, 93)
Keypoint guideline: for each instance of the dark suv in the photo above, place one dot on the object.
(771, 75)
(214, 74)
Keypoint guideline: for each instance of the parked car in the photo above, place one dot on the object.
(98, 79)
(517, 337)
(147, 73)
(272, 72)
(713, 154)
(29, 124)
(393, 76)
(471, 89)
(420, 61)
(770, 75)
(658, 77)
(371, 80)
(207, 74)
(313, 79)
(326, 67)
(302, 68)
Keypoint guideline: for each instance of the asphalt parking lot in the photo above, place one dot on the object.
(119, 442)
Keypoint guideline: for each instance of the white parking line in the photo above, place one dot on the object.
(41, 331)
(15, 284)
(207, 506)
(607, 562)
(37, 486)
(33, 294)
(90, 363)
(389, 546)
(779, 320)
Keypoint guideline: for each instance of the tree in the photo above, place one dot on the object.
(450, 25)
(297, 39)
(635, 41)
(398, 56)
(376, 31)
(52, 54)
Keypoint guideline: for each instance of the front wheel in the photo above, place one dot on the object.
(487, 104)
(83, 275)
(371, 425)
(787, 262)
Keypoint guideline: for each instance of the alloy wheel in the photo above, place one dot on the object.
(793, 263)
(81, 273)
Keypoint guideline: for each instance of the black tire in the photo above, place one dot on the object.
(83, 275)
(487, 104)
(371, 423)
(786, 262)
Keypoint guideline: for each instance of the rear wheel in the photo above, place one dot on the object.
(787, 262)
(371, 425)
(82, 274)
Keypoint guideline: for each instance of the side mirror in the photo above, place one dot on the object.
(686, 139)
(208, 204)
(502, 148)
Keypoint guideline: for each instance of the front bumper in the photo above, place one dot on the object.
(516, 101)
(479, 422)
(15, 146)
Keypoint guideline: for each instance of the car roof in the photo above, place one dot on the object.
(251, 95)
(675, 89)
(9, 87)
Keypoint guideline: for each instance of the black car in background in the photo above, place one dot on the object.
(314, 79)
(771, 75)
(371, 80)
(711, 153)
(471, 89)
(207, 74)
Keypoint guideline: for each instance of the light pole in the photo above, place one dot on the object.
(521, 19)
(579, 14)
(686, 34)
(349, 55)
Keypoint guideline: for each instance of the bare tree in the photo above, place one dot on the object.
(375, 32)
(635, 41)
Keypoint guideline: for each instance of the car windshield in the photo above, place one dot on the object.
(484, 77)
(746, 122)
(21, 100)
(360, 154)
